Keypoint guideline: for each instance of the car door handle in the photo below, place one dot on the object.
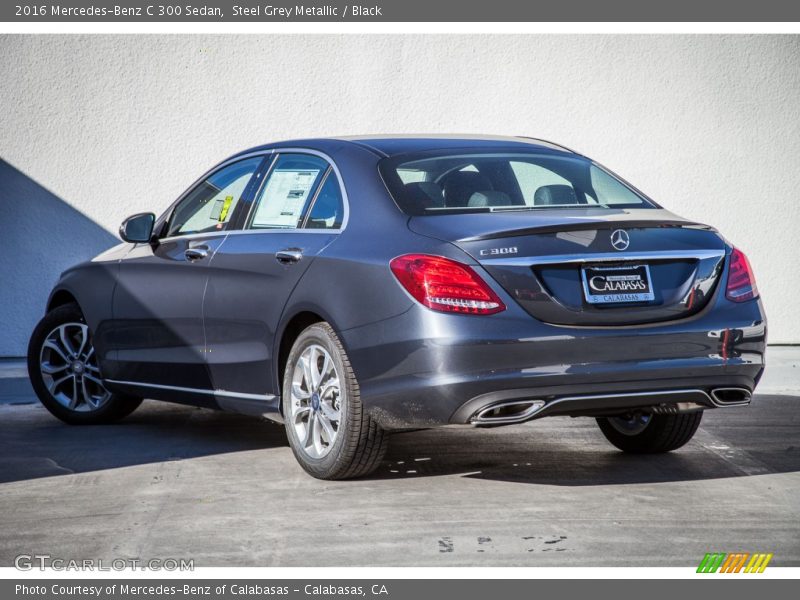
(288, 256)
(196, 253)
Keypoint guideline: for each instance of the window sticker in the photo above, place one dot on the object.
(221, 209)
(284, 197)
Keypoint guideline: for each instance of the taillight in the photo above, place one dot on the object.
(445, 285)
(741, 281)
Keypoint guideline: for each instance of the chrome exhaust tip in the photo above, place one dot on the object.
(505, 413)
(732, 396)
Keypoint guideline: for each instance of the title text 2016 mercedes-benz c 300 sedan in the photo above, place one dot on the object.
(352, 287)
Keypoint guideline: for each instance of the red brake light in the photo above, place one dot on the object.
(741, 281)
(445, 285)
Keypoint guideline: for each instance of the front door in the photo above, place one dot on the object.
(157, 337)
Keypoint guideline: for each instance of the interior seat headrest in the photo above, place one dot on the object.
(548, 195)
(460, 185)
(425, 194)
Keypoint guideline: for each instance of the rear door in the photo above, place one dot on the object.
(157, 327)
(296, 212)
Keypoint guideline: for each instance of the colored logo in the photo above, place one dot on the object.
(739, 562)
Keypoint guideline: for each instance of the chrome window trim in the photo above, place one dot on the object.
(174, 388)
(192, 236)
(559, 259)
(339, 178)
(284, 230)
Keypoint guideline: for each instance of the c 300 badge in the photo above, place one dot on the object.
(499, 251)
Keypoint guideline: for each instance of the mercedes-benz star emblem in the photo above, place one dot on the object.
(620, 239)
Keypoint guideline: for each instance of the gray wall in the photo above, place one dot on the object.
(93, 128)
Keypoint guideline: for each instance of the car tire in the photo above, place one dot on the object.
(650, 434)
(331, 434)
(65, 375)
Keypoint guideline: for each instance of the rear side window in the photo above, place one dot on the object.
(289, 187)
(434, 183)
(328, 209)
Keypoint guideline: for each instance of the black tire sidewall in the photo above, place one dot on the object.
(331, 462)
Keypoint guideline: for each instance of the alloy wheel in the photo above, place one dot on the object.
(316, 401)
(68, 365)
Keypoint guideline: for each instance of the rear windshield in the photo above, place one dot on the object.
(444, 183)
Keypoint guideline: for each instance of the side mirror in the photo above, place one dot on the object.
(138, 228)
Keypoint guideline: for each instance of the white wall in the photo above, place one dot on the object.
(707, 125)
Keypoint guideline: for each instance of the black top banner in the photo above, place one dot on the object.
(151, 11)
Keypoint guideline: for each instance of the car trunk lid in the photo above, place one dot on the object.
(593, 266)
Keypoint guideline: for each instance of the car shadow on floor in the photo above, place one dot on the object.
(559, 451)
(34, 444)
(758, 440)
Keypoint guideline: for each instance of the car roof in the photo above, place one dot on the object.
(397, 144)
(402, 144)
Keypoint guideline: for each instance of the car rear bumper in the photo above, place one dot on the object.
(424, 369)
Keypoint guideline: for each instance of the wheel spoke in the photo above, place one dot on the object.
(84, 338)
(327, 363)
(52, 345)
(94, 379)
(330, 433)
(298, 391)
(87, 397)
(308, 441)
(317, 436)
(65, 342)
(304, 364)
(73, 403)
(49, 368)
(313, 360)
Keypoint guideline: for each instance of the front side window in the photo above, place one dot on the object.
(210, 205)
(290, 186)
(443, 183)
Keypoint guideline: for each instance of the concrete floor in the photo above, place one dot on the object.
(180, 482)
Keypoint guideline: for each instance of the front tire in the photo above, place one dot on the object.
(329, 431)
(650, 434)
(64, 372)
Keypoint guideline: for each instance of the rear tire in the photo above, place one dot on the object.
(331, 434)
(656, 434)
(65, 375)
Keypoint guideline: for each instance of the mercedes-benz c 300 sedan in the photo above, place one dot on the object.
(352, 287)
